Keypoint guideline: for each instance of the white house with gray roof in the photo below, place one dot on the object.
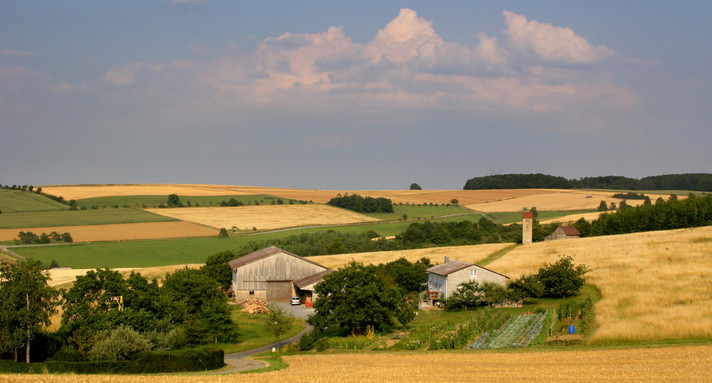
(444, 278)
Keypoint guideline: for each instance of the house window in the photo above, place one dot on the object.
(252, 292)
(473, 273)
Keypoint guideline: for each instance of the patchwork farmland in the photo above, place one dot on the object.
(654, 287)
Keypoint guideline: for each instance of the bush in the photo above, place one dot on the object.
(306, 343)
(198, 359)
(322, 344)
(120, 344)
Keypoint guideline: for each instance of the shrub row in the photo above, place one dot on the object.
(198, 359)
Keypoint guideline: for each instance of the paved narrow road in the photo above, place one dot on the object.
(239, 361)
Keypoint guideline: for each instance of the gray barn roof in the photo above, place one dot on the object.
(306, 281)
(264, 253)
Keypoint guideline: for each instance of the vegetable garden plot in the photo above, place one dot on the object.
(519, 331)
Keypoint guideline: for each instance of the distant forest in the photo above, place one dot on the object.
(689, 181)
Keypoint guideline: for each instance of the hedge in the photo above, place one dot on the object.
(199, 359)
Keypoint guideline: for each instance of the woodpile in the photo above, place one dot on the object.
(255, 306)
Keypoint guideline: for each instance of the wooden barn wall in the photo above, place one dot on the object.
(278, 267)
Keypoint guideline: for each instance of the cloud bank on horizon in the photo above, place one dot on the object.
(325, 110)
(406, 65)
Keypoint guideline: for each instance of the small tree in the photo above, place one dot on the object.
(603, 206)
(415, 186)
(454, 201)
(26, 303)
(174, 200)
(562, 279)
(223, 233)
(278, 322)
(405, 312)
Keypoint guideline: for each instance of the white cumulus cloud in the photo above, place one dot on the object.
(551, 43)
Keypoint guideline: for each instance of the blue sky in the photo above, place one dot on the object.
(351, 94)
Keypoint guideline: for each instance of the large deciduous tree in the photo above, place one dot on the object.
(354, 297)
(26, 303)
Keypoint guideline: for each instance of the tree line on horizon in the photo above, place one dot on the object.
(688, 181)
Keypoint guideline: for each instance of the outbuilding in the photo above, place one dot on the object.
(444, 278)
(563, 232)
(270, 275)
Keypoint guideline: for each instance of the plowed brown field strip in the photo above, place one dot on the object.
(686, 363)
(265, 217)
(120, 232)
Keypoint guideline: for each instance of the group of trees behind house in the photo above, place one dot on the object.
(361, 204)
(690, 181)
(29, 238)
(109, 317)
(557, 280)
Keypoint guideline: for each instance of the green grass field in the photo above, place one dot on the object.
(150, 201)
(12, 201)
(78, 217)
(164, 252)
(424, 212)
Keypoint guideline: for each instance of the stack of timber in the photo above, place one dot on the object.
(255, 306)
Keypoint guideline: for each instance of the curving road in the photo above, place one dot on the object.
(238, 361)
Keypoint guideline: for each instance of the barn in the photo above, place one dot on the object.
(444, 278)
(563, 232)
(273, 274)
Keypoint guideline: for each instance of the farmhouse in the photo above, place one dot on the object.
(563, 232)
(273, 274)
(444, 278)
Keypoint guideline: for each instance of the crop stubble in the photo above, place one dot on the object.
(265, 217)
(120, 232)
(681, 363)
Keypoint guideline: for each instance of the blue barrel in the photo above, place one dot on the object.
(571, 329)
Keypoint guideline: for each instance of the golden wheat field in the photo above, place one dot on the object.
(555, 200)
(472, 254)
(681, 363)
(654, 285)
(122, 231)
(319, 196)
(572, 218)
(265, 217)
(59, 277)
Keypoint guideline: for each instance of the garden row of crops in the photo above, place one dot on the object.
(520, 331)
(448, 335)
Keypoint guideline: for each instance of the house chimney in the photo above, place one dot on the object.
(447, 259)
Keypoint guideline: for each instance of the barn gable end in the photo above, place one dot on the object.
(269, 274)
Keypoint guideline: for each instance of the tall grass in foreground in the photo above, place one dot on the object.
(654, 286)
